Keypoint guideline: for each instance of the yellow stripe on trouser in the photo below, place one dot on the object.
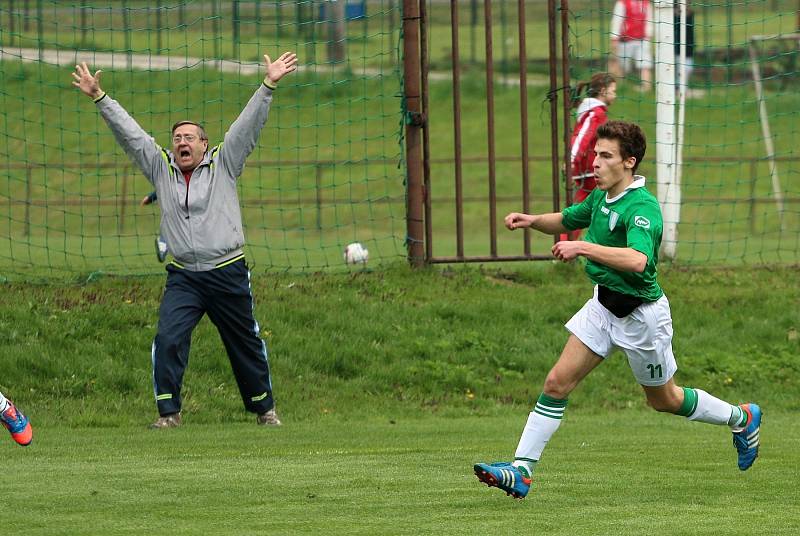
(231, 261)
(220, 265)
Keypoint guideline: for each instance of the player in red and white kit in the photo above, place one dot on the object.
(600, 93)
(631, 31)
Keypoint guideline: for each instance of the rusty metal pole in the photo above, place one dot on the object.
(413, 121)
(553, 97)
(567, 100)
(523, 113)
(456, 61)
(487, 16)
(426, 146)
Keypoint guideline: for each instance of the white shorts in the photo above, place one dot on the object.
(634, 52)
(645, 336)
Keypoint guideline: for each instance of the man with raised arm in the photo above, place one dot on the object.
(201, 221)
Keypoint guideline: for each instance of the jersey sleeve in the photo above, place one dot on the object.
(616, 20)
(644, 226)
(580, 216)
(242, 136)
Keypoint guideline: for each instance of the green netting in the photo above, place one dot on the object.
(740, 201)
(327, 171)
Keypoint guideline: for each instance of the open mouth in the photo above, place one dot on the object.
(185, 153)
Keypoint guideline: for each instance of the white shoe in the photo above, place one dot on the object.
(269, 418)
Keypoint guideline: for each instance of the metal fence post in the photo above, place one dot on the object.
(413, 127)
(28, 200)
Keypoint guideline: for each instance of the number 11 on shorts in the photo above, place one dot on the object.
(653, 368)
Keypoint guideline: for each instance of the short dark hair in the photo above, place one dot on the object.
(203, 135)
(632, 141)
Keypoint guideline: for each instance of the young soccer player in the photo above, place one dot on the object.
(628, 310)
(15, 422)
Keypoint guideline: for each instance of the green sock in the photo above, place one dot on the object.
(689, 402)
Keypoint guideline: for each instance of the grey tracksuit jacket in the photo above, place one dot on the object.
(203, 226)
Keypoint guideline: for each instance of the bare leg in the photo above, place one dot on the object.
(576, 361)
(667, 397)
(647, 79)
(614, 66)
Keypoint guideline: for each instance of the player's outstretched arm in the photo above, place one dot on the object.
(242, 136)
(88, 83)
(149, 199)
(545, 223)
(140, 147)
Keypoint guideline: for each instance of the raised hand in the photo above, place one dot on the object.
(84, 80)
(285, 64)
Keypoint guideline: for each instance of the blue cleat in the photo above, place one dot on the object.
(505, 476)
(17, 424)
(746, 441)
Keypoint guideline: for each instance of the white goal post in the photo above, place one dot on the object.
(669, 117)
(762, 112)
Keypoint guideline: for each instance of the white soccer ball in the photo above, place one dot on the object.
(355, 253)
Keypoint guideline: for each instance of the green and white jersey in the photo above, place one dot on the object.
(633, 220)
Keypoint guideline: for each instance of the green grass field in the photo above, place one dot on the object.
(625, 473)
(391, 384)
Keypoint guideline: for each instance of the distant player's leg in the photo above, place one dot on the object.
(577, 360)
(645, 65)
(653, 364)
(625, 59)
(15, 422)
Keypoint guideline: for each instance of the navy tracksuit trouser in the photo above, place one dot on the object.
(224, 294)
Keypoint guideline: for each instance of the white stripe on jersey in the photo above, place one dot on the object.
(577, 143)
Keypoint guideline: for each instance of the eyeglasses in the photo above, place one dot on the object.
(188, 138)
